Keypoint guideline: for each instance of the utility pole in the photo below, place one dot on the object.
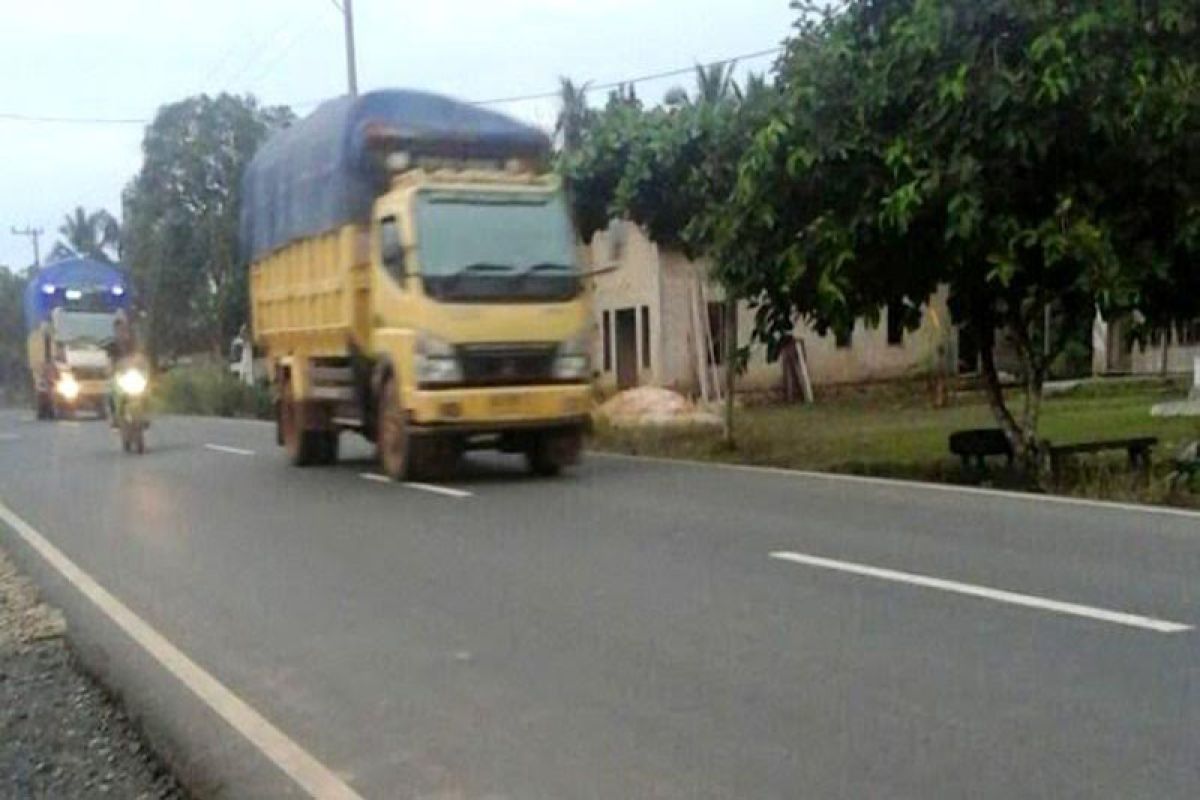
(34, 234)
(351, 64)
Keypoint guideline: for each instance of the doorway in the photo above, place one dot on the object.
(627, 365)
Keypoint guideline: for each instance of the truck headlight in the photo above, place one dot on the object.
(573, 361)
(132, 382)
(436, 361)
(67, 386)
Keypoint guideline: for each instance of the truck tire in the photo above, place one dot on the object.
(44, 407)
(394, 445)
(327, 447)
(549, 453)
(303, 447)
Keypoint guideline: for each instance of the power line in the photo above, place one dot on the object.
(71, 120)
(259, 52)
(288, 46)
(673, 73)
(33, 118)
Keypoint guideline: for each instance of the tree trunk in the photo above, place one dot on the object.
(1166, 352)
(995, 393)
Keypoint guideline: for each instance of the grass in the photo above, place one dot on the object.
(886, 431)
(210, 390)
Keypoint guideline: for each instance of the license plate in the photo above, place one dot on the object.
(505, 403)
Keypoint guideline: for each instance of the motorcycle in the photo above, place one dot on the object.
(131, 412)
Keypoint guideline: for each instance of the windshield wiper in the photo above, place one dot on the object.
(545, 266)
(483, 266)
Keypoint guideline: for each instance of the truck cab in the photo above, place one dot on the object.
(481, 320)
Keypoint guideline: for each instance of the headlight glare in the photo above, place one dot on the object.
(67, 386)
(132, 382)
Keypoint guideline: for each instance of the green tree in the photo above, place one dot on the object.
(94, 235)
(182, 212)
(14, 370)
(1029, 154)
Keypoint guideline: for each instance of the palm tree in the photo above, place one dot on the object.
(714, 84)
(96, 235)
(574, 116)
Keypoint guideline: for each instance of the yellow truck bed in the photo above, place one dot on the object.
(313, 296)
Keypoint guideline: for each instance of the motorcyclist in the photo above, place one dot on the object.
(122, 352)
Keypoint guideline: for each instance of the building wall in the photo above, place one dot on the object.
(626, 263)
(1148, 360)
(1112, 353)
(868, 358)
(680, 362)
(664, 280)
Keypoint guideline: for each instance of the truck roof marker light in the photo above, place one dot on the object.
(74, 294)
(399, 161)
(47, 288)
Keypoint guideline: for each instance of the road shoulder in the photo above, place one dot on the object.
(61, 734)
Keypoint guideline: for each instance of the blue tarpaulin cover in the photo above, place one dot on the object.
(96, 278)
(319, 174)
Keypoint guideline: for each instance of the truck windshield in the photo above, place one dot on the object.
(491, 245)
(81, 327)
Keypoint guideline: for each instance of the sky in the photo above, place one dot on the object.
(122, 59)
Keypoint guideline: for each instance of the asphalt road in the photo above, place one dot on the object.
(641, 629)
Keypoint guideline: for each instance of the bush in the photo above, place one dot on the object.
(211, 391)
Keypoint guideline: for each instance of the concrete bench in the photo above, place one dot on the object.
(1139, 448)
(977, 444)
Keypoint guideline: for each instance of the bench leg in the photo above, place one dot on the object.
(1140, 461)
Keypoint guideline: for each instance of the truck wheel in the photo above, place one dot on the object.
(393, 442)
(303, 447)
(326, 446)
(44, 407)
(548, 453)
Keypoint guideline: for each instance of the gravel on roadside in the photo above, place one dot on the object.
(61, 735)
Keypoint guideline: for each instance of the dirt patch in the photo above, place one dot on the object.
(649, 406)
(61, 735)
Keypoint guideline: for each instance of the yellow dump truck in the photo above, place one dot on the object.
(413, 278)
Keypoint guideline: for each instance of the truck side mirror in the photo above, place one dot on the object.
(391, 249)
(393, 258)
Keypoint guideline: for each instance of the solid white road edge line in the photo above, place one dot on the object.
(311, 775)
(446, 491)
(901, 483)
(998, 595)
(237, 451)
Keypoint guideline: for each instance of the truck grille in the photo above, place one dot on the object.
(501, 365)
(90, 373)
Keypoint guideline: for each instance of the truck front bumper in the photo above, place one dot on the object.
(498, 409)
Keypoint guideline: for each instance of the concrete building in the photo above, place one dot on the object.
(1114, 353)
(660, 322)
